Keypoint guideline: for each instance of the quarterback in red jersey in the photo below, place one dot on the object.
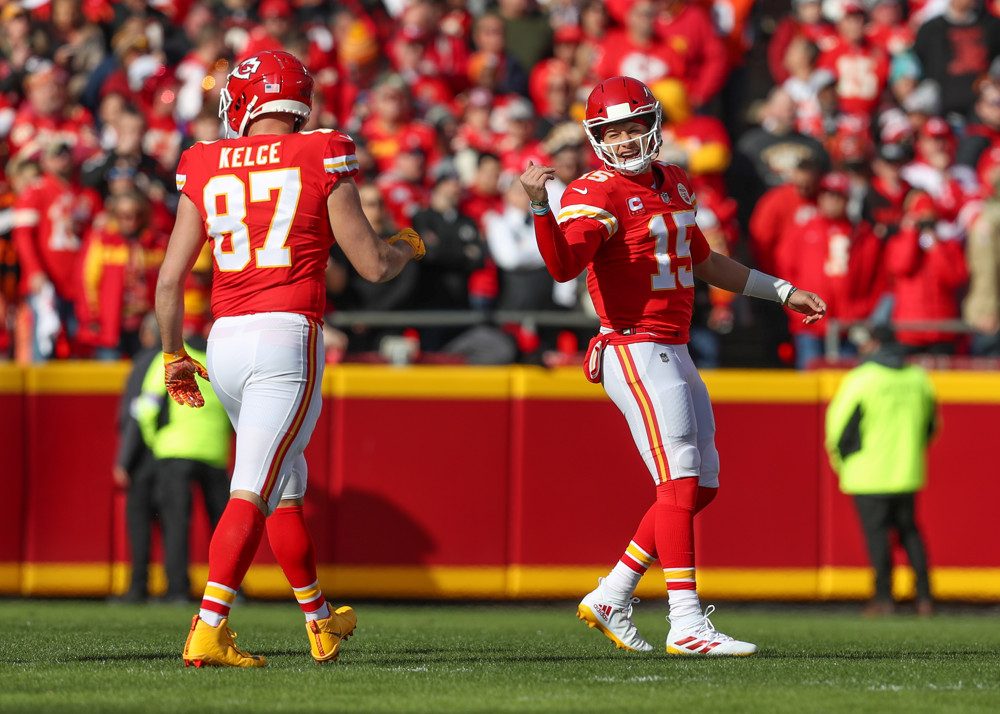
(632, 225)
(270, 201)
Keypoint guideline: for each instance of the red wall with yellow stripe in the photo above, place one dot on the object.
(511, 482)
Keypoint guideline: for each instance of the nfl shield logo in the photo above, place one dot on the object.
(665, 196)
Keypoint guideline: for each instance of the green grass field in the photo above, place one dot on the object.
(73, 656)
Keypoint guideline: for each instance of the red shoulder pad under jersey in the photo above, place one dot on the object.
(591, 198)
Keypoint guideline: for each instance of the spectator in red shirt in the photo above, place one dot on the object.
(118, 276)
(163, 137)
(928, 270)
(443, 39)
(806, 20)
(50, 219)
(887, 30)
(48, 115)
(704, 60)
(862, 71)
(391, 127)
(636, 51)
(934, 171)
(782, 210)
(842, 256)
(359, 62)
(567, 47)
(277, 22)
(553, 82)
(404, 188)
(882, 204)
(408, 54)
(475, 131)
(20, 173)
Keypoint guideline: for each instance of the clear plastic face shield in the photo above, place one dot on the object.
(648, 144)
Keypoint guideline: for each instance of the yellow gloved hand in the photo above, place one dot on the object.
(179, 369)
(413, 238)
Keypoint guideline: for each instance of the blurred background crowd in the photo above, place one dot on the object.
(850, 147)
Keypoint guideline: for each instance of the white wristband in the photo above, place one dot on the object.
(767, 287)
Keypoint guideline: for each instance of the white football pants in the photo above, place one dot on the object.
(267, 370)
(658, 389)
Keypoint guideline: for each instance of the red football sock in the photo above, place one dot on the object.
(675, 505)
(293, 548)
(233, 547)
(641, 551)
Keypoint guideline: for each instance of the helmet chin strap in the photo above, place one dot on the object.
(247, 116)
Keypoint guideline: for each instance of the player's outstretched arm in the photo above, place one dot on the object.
(375, 259)
(182, 251)
(728, 274)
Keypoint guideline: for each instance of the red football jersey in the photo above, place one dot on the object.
(642, 273)
(862, 74)
(263, 199)
(50, 219)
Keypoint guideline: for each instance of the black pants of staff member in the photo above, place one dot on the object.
(881, 514)
(140, 511)
(174, 478)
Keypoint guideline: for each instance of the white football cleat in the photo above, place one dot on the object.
(614, 619)
(704, 639)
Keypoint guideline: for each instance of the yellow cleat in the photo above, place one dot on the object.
(613, 618)
(209, 646)
(326, 635)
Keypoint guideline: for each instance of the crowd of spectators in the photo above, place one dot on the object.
(852, 148)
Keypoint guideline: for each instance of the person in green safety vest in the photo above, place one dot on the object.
(189, 446)
(878, 426)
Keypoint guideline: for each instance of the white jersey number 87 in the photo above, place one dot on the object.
(274, 253)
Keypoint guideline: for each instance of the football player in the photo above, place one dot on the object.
(270, 201)
(632, 226)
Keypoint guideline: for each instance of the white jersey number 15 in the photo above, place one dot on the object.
(669, 275)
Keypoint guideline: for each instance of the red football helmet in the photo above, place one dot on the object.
(620, 99)
(269, 82)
